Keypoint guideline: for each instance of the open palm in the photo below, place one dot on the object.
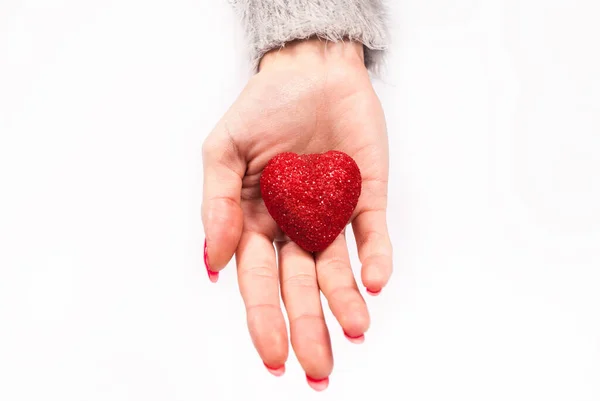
(299, 102)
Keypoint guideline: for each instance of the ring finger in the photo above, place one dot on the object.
(337, 282)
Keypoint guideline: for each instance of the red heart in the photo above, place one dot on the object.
(311, 197)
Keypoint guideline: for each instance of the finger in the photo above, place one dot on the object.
(259, 285)
(301, 296)
(336, 280)
(374, 249)
(221, 211)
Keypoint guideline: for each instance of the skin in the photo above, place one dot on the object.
(309, 97)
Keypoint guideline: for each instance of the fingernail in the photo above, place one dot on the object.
(212, 276)
(276, 371)
(356, 340)
(317, 385)
(373, 293)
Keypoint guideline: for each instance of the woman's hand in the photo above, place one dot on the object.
(310, 97)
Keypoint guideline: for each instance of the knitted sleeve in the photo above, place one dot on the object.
(270, 24)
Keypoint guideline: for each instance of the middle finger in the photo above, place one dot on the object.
(301, 296)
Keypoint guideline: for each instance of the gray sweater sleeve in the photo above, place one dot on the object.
(270, 24)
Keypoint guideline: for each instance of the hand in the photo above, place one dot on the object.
(310, 97)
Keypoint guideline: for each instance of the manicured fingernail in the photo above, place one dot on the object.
(317, 385)
(276, 371)
(373, 293)
(212, 276)
(356, 340)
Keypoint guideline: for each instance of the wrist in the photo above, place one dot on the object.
(303, 53)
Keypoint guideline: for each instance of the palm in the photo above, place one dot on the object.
(318, 119)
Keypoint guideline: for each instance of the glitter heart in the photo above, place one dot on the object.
(311, 197)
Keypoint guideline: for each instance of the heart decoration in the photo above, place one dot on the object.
(311, 197)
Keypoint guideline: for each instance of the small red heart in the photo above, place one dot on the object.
(311, 197)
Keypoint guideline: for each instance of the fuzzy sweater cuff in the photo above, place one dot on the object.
(270, 24)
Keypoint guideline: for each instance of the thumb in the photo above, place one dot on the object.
(222, 217)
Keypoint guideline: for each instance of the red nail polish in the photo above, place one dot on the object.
(317, 385)
(356, 340)
(373, 293)
(212, 276)
(275, 371)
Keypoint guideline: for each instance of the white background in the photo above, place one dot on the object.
(493, 110)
